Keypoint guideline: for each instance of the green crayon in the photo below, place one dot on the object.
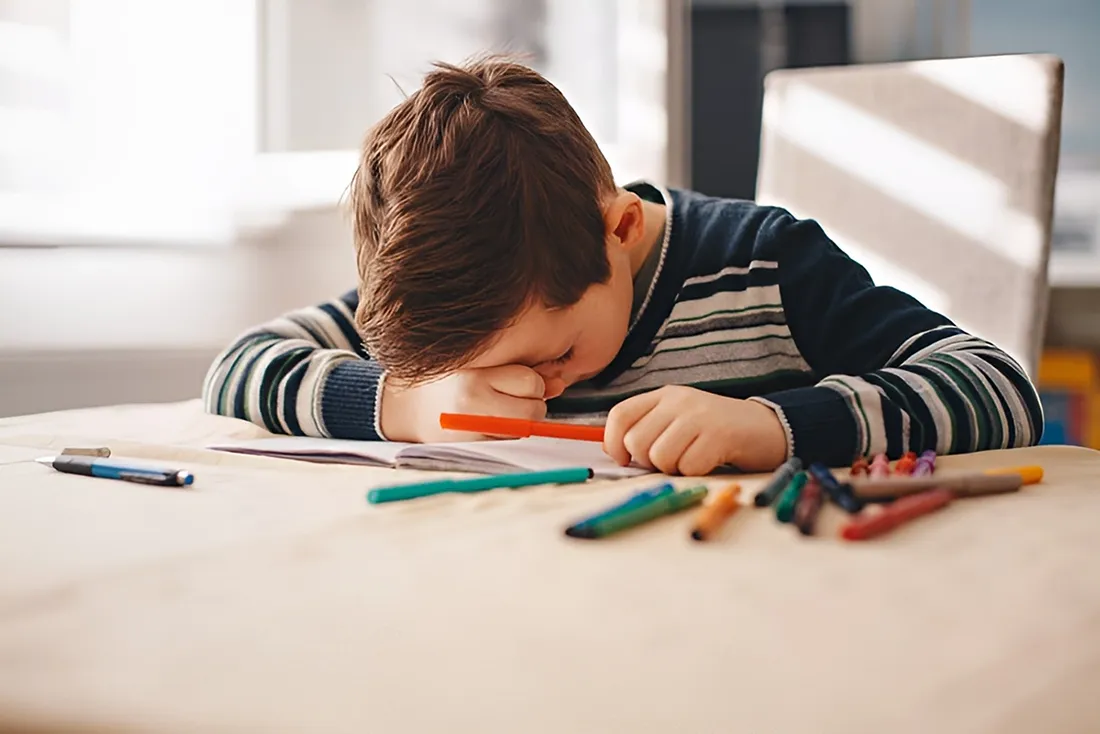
(784, 508)
(628, 518)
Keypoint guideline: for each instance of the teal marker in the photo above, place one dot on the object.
(784, 508)
(480, 484)
(579, 529)
(666, 504)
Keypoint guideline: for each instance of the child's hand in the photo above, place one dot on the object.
(511, 391)
(682, 430)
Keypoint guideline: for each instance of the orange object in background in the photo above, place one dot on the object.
(1069, 386)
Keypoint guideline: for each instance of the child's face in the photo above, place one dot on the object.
(570, 345)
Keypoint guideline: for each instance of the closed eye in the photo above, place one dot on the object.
(563, 358)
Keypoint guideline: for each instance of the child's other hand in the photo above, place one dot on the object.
(411, 413)
(682, 430)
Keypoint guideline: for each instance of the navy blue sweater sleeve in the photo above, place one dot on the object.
(893, 376)
(305, 373)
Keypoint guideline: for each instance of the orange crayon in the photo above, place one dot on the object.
(715, 513)
(518, 427)
(906, 464)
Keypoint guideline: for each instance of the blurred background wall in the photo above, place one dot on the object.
(171, 170)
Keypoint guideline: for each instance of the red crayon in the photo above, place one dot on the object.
(880, 467)
(906, 464)
(859, 466)
(897, 513)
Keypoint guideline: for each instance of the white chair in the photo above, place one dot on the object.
(937, 175)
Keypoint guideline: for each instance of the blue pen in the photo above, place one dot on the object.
(578, 528)
(114, 469)
(480, 484)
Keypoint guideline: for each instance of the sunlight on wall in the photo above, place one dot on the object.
(938, 185)
(884, 271)
(1010, 87)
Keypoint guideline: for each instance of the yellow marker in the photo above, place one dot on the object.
(714, 514)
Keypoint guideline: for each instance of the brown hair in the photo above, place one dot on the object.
(476, 197)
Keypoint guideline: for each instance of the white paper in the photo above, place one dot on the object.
(488, 457)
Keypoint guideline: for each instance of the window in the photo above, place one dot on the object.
(181, 121)
(332, 68)
(124, 121)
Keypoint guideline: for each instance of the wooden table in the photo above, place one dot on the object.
(273, 598)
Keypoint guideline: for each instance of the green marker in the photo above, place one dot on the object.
(581, 528)
(497, 481)
(784, 508)
(658, 507)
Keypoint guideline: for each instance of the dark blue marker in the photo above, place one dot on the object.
(839, 493)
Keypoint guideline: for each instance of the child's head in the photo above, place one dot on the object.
(489, 230)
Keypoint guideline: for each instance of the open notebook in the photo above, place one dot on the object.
(484, 457)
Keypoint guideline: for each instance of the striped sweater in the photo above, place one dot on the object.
(748, 302)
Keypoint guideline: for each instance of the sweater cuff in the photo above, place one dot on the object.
(820, 425)
(350, 400)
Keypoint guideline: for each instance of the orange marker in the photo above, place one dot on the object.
(518, 427)
(715, 513)
(906, 464)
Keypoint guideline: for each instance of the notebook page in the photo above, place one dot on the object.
(510, 455)
(371, 453)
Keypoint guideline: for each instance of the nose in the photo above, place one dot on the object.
(555, 386)
(553, 378)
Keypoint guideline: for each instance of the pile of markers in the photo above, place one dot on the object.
(876, 496)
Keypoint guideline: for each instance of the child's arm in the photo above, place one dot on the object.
(305, 373)
(895, 376)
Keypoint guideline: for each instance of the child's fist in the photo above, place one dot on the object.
(411, 413)
(683, 430)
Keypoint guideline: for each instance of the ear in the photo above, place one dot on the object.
(623, 218)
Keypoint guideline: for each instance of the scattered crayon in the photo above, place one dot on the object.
(859, 467)
(715, 513)
(784, 507)
(839, 493)
(993, 481)
(638, 498)
(778, 482)
(926, 464)
(629, 517)
(808, 507)
(895, 514)
(880, 467)
(906, 464)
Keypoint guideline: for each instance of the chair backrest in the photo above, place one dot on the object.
(938, 176)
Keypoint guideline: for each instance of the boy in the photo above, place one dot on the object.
(501, 271)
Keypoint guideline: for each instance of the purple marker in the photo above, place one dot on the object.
(926, 464)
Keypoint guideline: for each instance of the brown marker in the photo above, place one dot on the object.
(994, 481)
(715, 513)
